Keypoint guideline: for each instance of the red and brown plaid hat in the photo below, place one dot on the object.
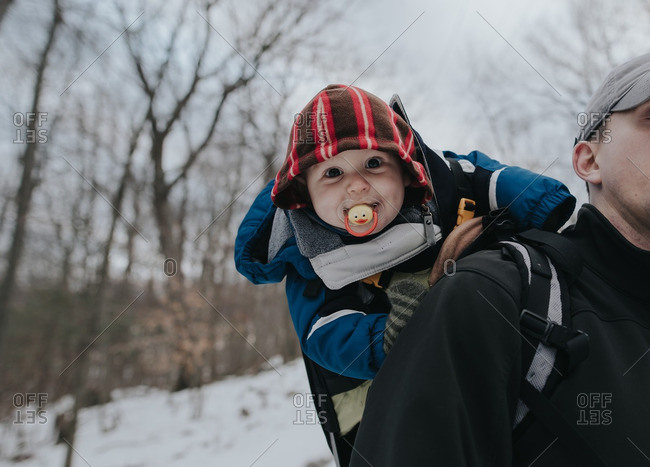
(338, 119)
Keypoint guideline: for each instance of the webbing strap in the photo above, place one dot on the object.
(335, 451)
(553, 420)
(536, 298)
(462, 184)
(561, 250)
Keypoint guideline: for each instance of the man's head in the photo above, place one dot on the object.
(616, 167)
(342, 120)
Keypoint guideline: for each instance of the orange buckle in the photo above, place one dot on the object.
(466, 210)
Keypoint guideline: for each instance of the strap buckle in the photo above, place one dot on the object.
(535, 326)
(572, 341)
(466, 210)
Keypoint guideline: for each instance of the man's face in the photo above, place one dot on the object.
(360, 176)
(623, 164)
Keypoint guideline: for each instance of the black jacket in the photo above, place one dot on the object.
(447, 392)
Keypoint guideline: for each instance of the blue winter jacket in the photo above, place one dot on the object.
(340, 322)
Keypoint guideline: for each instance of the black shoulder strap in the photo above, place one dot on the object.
(545, 260)
(545, 287)
(552, 249)
(462, 183)
(561, 251)
(536, 298)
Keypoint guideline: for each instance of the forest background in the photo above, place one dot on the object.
(136, 134)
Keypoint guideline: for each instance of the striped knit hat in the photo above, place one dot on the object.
(341, 118)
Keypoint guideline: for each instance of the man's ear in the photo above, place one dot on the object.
(585, 164)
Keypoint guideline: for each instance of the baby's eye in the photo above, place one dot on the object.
(333, 172)
(373, 163)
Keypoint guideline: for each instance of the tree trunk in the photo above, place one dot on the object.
(28, 181)
(4, 6)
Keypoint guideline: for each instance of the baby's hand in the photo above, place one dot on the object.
(404, 296)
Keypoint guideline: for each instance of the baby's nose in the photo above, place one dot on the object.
(358, 184)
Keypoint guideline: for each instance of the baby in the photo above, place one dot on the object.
(364, 205)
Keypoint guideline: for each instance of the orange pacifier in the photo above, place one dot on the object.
(360, 215)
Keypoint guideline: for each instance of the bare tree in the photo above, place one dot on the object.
(98, 312)
(4, 6)
(208, 122)
(28, 181)
(190, 104)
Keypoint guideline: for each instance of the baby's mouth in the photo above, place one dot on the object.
(361, 214)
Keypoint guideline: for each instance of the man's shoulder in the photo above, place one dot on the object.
(486, 268)
(493, 261)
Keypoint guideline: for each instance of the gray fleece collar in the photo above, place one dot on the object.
(338, 264)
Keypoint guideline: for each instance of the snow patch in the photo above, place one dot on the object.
(236, 421)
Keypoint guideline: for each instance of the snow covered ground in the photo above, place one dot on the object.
(261, 420)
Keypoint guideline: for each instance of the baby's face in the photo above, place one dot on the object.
(359, 176)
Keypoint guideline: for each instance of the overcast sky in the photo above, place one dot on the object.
(435, 55)
(425, 50)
